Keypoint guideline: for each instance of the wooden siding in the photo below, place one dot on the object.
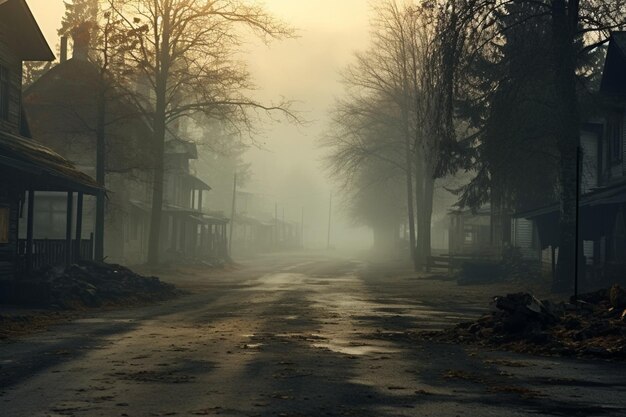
(523, 237)
(8, 251)
(589, 143)
(623, 173)
(14, 65)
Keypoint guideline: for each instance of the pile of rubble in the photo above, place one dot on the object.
(594, 325)
(91, 284)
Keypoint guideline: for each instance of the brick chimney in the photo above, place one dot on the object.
(81, 36)
(63, 57)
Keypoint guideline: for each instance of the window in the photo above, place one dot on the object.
(615, 133)
(134, 225)
(50, 217)
(4, 225)
(468, 235)
(4, 93)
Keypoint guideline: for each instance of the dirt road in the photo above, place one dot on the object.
(302, 335)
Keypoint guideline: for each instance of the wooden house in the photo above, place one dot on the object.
(602, 181)
(470, 233)
(189, 230)
(28, 167)
(62, 110)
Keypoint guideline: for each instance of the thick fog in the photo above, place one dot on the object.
(286, 162)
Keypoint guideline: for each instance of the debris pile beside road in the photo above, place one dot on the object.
(12, 325)
(594, 326)
(92, 284)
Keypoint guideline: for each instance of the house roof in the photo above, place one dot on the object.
(484, 210)
(614, 73)
(62, 112)
(174, 144)
(611, 194)
(197, 183)
(24, 35)
(200, 217)
(44, 168)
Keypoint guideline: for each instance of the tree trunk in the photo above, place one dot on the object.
(100, 172)
(159, 175)
(565, 19)
(159, 126)
(426, 219)
(419, 201)
(424, 194)
(409, 190)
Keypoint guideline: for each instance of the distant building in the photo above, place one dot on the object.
(188, 230)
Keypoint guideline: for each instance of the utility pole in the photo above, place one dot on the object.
(302, 229)
(275, 224)
(100, 170)
(330, 211)
(232, 216)
(576, 230)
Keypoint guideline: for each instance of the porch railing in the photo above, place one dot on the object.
(53, 252)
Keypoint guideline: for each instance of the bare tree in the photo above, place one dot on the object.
(412, 68)
(184, 53)
(381, 76)
(366, 155)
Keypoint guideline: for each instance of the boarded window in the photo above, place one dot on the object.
(4, 225)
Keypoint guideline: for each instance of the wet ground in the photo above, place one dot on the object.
(303, 335)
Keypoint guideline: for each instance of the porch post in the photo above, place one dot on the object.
(68, 229)
(200, 200)
(79, 226)
(29, 231)
(225, 240)
(183, 236)
(553, 260)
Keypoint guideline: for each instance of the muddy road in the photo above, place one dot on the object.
(303, 335)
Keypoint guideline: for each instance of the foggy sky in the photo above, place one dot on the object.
(305, 70)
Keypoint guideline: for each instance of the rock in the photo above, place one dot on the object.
(474, 328)
(597, 351)
(572, 323)
(617, 297)
(593, 297)
(521, 322)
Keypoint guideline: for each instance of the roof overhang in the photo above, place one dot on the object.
(40, 168)
(613, 81)
(197, 184)
(24, 35)
(613, 194)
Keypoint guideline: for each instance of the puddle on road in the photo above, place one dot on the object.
(96, 320)
(352, 348)
(252, 346)
(282, 281)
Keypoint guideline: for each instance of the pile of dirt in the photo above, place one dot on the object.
(92, 284)
(594, 325)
